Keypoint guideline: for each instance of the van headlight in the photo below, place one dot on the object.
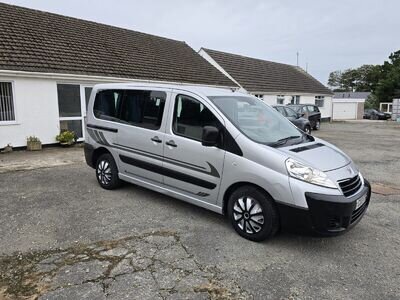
(308, 174)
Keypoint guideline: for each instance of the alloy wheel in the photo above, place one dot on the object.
(248, 215)
(104, 172)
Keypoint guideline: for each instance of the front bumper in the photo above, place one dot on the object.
(326, 214)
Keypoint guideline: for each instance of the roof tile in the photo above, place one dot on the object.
(256, 75)
(32, 40)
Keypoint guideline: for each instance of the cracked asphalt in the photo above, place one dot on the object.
(63, 237)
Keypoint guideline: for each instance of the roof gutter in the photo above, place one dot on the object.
(97, 79)
(291, 93)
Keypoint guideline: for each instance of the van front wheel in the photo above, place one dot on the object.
(253, 214)
(107, 172)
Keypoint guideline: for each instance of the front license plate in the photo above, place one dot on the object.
(361, 201)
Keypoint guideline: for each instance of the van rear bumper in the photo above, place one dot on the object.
(88, 150)
(326, 214)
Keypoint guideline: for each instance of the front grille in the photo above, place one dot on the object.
(358, 213)
(350, 186)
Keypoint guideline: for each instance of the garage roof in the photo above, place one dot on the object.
(36, 41)
(351, 95)
(257, 75)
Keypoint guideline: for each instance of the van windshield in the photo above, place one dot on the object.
(258, 121)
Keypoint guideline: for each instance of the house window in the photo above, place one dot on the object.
(259, 96)
(280, 99)
(319, 101)
(7, 108)
(295, 99)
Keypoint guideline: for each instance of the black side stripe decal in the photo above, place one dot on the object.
(201, 194)
(99, 137)
(213, 171)
(92, 135)
(103, 138)
(101, 141)
(155, 155)
(102, 128)
(167, 172)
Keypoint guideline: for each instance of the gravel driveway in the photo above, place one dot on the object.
(63, 237)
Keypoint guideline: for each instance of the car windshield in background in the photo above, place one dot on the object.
(256, 120)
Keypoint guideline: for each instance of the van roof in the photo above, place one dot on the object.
(197, 89)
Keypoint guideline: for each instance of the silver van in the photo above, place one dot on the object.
(225, 151)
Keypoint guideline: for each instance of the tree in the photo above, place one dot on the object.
(334, 80)
(382, 80)
(362, 79)
(388, 86)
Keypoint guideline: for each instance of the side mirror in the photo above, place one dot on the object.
(210, 136)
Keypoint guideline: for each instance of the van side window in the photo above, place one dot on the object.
(134, 107)
(190, 116)
(143, 108)
(108, 104)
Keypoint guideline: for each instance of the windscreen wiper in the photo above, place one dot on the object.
(284, 140)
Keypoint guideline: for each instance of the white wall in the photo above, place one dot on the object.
(36, 110)
(326, 111)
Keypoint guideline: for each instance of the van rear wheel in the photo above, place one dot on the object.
(253, 214)
(107, 172)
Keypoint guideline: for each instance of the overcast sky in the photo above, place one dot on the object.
(329, 35)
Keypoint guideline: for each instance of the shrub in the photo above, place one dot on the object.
(66, 137)
(32, 139)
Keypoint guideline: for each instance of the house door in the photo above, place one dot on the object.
(72, 106)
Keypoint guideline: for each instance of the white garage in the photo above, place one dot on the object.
(348, 106)
(344, 110)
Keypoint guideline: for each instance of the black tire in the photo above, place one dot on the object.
(307, 129)
(317, 125)
(107, 172)
(268, 215)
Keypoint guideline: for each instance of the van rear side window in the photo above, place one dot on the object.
(134, 107)
(108, 104)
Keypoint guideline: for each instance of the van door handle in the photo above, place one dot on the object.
(156, 139)
(171, 143)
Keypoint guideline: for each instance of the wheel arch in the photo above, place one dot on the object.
(97, 153)
(234, 187)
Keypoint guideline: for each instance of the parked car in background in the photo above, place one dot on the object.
(294, 117)
(309, 111)
(375, 114)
